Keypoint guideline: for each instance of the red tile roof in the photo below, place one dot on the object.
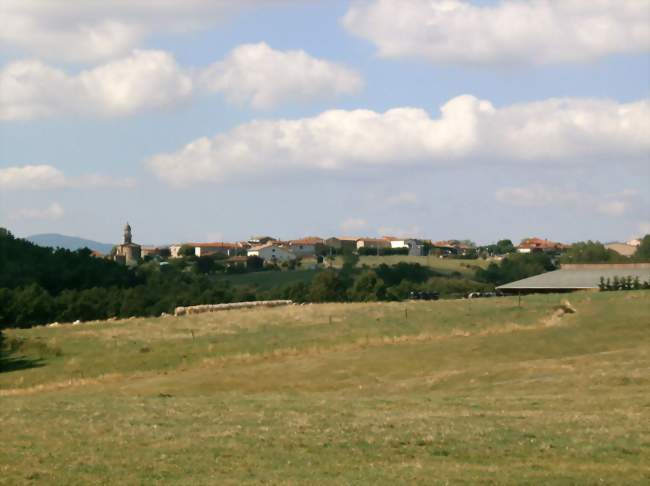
(538, 243)
(213, 245)
(308, 240)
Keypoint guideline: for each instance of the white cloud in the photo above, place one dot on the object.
(52, 213)
(522, 31)
(352, 225)
(542, 196)
(262, 77)
(44, 177)
(468, 131)
(146, 80)
(97, 30)
(32, 177)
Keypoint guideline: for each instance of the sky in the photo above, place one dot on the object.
(215, 120)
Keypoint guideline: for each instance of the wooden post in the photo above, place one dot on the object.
(406, 314)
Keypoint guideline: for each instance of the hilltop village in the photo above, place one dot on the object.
(275, 251)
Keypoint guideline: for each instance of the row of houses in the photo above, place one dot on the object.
(273, 249)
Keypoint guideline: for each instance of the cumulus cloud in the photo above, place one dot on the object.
(543, 196)
(146, 80)
(98, 30)
(51, 213)
(468, 130)
(522, 31)
(352, 225)
(263, 77)
(44, 177)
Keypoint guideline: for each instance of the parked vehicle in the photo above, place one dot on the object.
(424, 295)
(476, 295)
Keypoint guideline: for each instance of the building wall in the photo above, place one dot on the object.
(338, 244)
(200, 251)
(174, 251)
(373, 244)
(281, 255)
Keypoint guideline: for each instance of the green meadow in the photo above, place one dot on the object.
(442, 265)
(494, 391)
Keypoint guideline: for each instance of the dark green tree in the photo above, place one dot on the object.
(642, 253)
(591, 252)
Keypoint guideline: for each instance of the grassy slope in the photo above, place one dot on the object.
(442, 265)
(271, 279)
(464, 392)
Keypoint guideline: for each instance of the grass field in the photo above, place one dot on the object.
(275, 279)
(442, 265)
(447, 392)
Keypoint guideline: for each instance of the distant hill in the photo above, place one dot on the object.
(69, 242)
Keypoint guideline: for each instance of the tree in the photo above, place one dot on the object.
(591, 252)
(515, 267)
(642, 253)
(504, 247)
(368, 287)
(327, 286)
(186, 251)
(254, 263)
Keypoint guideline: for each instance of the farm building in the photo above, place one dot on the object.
(577, 277)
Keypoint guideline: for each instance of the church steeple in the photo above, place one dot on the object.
(127, 234)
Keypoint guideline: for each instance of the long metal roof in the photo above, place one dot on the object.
(575, 279)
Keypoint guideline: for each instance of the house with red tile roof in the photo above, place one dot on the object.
(537, 245)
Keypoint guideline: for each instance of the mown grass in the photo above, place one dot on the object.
(448, 392)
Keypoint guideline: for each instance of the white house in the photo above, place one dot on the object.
(397, 243)
(205, 249)
(272, 253)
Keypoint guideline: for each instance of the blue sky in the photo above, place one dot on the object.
(94, 133)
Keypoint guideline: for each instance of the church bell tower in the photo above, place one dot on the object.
(127, 234)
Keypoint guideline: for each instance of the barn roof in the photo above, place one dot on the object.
(579, 277)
